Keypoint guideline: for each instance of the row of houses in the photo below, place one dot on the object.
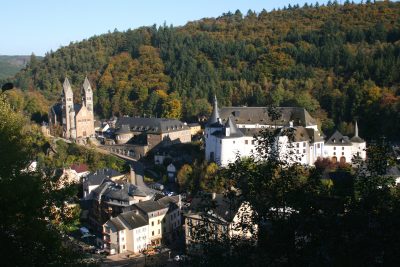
(148, 224)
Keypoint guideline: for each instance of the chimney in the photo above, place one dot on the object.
(290, 123)
(132, 176)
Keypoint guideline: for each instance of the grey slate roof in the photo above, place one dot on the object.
(99, 176)
(132, 220)
(233, 130)
(123, 129)
(259, 115)
(338, 139)
(149, 206)
(357, 139)
(117, 223)
(151, 125)
(57, 109)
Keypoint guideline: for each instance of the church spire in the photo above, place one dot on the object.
(67, 87)
(214, 118)
(86, 84)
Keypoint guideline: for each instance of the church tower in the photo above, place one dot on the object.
(67, 104)
(87, 95)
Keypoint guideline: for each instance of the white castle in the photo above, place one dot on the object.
(230, 132)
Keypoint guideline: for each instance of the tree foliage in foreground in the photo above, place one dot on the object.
(28, 199)
(308, 219)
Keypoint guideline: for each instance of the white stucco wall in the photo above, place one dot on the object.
(338, 151)
(140, 238)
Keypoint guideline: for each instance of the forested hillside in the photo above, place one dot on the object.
(340, 62)
(10, 65)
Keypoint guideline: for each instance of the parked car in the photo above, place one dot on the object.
(180, 258)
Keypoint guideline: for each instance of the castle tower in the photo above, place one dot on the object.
(87, 95)
(67, 104)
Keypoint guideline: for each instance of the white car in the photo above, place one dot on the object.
(180, 258)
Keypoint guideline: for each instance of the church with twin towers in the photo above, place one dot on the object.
(77, 120)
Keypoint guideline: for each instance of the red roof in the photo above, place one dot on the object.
(79, 168)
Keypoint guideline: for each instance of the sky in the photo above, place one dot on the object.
(30, 26)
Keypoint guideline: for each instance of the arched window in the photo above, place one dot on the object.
(334, 159)
(342, 160)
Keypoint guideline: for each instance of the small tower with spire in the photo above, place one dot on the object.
(215, 117)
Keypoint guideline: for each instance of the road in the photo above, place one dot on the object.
(154, 260)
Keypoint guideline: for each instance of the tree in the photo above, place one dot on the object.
(27, 198)
(184, 176)
(304, 218)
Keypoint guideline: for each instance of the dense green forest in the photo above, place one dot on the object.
(340, 62)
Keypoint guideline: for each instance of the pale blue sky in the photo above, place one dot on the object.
(38, 26)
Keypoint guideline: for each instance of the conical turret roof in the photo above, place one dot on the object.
(356, 138)
(233, 129)
(214, 119)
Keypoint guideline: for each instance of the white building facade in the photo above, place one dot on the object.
(230, 132)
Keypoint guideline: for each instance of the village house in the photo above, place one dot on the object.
(173, 219)
(220, 216)
(111, 199)
(94, 180)
(147, 224)
(154, 212)
(127, 232)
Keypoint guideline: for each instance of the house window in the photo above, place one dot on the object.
(152, 233)
(318, 145)
(298, 152)
(152, 223)
(304, 151)
(123, 247)
(342, 153)
(304, 144)
(233, 141)
(334, 153)
(253, 142)
(159, 231)
(246, 142)
(342, 147)
(297, 145)
(158, 222)
(334, 148)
